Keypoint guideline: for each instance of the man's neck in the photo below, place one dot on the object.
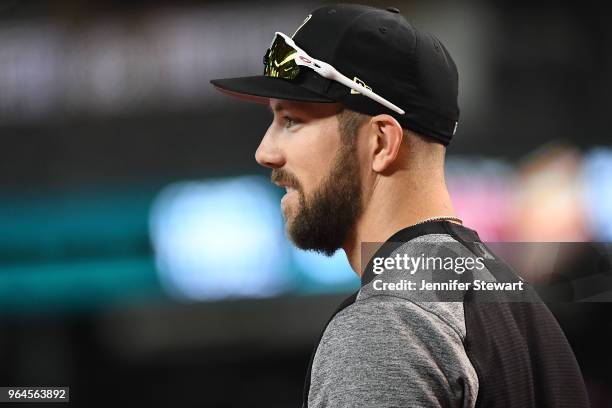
(389, 211)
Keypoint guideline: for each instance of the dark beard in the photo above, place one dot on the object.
(323, 222)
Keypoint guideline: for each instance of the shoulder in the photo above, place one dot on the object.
(378, 324)
(391, 350)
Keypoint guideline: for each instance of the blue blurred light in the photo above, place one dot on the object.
(218, 239)
(323, 273)
(598, 186)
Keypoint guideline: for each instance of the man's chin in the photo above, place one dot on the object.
(292, 234)
(307, 243)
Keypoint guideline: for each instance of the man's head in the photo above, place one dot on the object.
(330, 159)
(344, 59)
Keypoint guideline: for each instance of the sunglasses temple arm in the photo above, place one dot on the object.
(363, 90)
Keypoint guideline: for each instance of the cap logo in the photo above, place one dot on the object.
(302, 25)
(360, 82)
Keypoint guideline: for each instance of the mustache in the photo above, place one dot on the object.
(285, 177)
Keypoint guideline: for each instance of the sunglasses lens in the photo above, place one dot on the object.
(279, 60)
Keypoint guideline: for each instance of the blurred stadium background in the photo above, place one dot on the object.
(142, 253)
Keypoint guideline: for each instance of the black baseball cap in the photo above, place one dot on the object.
(378, 49)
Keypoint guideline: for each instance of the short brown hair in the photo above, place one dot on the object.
(349, 123)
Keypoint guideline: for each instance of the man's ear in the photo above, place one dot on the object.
(386, 141)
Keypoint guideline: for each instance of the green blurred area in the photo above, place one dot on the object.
(77, 286)
(75, 251)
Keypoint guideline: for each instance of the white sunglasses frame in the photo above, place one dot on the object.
(327, 71)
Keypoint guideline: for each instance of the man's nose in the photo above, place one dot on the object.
(268, 154)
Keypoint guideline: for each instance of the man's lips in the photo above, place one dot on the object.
(289, 195)
(289, 188)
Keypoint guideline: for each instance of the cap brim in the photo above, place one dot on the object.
(260, 89)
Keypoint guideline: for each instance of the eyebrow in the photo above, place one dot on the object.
(277, 108)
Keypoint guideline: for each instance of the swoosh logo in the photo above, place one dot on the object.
(286, 60)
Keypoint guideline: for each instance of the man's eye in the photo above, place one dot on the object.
(289, 121)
